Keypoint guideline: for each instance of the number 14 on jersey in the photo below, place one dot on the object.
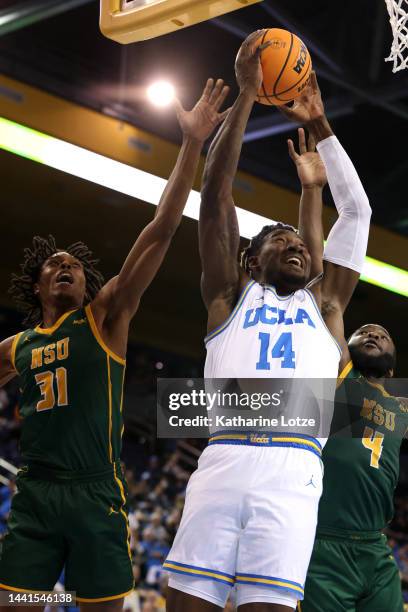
(282, 349)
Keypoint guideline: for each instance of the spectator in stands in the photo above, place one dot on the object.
(6, 494)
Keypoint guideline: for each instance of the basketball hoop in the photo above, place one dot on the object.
(398, 12)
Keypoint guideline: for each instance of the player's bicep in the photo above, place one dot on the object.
(338, 284)
(333, 317)
(219, 244)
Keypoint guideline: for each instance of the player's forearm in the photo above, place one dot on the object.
(147, 254)
(347, 241)
(223, 155)
(311, 226)
(175, 195)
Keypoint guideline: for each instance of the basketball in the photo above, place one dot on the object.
(286, 67)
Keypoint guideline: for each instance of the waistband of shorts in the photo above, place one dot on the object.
(103, 472)
(328, 533)
(266, 439)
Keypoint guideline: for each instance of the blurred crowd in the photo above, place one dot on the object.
(398, 537)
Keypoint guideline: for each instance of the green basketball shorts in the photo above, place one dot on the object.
(76, 520)
(352, 575)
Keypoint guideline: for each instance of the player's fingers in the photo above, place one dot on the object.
(252, 38)
(260, 48)
(207, 89)
(221, 98)
(311, 145)
(313, 81)
(302, 141)
(216, 91)
(264, 45)
(292, 151)
(249, 47)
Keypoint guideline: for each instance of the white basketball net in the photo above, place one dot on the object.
(398, 11)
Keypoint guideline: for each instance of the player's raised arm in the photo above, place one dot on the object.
(347, 242)
(312, 176)
(218, 225)
(120, 297)
(7, 369)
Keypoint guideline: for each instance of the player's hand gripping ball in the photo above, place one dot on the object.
(286, 67)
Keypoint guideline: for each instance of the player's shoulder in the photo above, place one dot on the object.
(7, 357)
(7, 344)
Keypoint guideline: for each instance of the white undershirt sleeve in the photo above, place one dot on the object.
(347, 242)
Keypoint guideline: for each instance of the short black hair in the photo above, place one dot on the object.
(394, 352)
(22, 286)
(256, 242)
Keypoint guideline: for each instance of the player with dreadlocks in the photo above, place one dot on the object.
(23, 288)
(257, 492)
(70, 509)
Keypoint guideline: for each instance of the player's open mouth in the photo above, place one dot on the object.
(64, 278)
(295, 261)
(371, 344)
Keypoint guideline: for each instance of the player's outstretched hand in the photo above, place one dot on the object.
(248, 68)
(200, 121)
(309, 165)
(308, 107)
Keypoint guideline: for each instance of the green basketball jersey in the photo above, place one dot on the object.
(361, 469)
(71, 402)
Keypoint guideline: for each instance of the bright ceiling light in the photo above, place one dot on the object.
(147, 187)
(161, 93)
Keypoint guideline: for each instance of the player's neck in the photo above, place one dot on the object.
(374, 379)
(281, 288)
(53, 312)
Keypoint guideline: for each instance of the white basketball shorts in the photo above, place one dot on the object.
(249, 519)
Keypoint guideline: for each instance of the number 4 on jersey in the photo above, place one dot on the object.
(373, 440)
(281, 350)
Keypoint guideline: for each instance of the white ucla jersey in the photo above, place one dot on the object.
(271, 336)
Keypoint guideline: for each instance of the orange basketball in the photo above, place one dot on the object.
(286, 67)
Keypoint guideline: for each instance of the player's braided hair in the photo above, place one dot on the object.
(256, 242)
(22, 286)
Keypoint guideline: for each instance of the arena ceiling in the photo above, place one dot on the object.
(57, 47)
